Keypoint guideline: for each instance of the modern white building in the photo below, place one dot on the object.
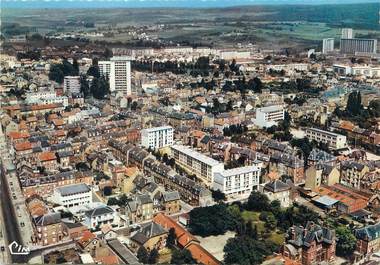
(72, 195)
(357, 70)
(99, 216)
(118, 73)
(237, 181)
(157, 137)
(197, 163)
(289, 67)
(334, 140)
(72, 84)
(347, 33)
(46, 96)
(328, 45)
(354, 46)
(269, 116)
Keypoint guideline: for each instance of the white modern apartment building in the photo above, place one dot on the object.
(269, 116)
(347, 33)
(197, 163)
(353, 46)
(289, 67)
(99, 216)
(46, 96)
(72, 195)
(362, 70)
(118, 73)
(157, 137)
(334, 140)
(72, 84)
(328, 45)
(237, 181)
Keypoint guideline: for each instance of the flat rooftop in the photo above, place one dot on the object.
(196, 155)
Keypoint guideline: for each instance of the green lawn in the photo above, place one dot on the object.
(275, 237)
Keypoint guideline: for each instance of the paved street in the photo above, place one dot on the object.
(12, 230)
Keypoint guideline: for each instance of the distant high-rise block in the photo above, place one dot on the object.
(118, 72)
(353, 46)
(347, 33)
(328, 45)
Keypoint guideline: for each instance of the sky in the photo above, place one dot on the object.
(160, 3)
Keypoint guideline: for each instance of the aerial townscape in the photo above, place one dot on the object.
(209, 134)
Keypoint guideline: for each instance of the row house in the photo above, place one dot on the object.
(48, 229)
(189, 190)
(352, 172)
(289, 165)
(139, 209)
(44, 186)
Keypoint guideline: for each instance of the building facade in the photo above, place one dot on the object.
(269, 116)
(328, 45)
(118, 73)
(353, 46)
(237, 181)
(334, 140)
(157, 137)
(73, 195)
(202, 166)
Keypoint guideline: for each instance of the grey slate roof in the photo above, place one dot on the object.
(99, 211)
(47, 219)
(148, 231)
(276, 186)
(171, 196)
(73, 189)
(368, 233)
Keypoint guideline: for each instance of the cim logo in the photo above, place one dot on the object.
(17, 249)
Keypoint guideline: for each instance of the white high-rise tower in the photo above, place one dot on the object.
(118, 72)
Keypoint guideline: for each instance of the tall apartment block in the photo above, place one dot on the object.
(118, 72)
(328, 45)
(72, 84)
(347, 33)
(353, 46)
(157, 137)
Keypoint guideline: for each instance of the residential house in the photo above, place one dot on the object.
(171, 202)
(368, 239)
(310, 245)
(139, 209)
(48, 229)
(277, 190)
(151, 236)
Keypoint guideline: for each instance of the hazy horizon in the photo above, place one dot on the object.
(165, 3)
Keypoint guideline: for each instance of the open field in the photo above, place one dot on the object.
(286, 25)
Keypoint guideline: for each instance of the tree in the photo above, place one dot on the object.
(143, 255)
(75, 67)
(257, 202)
(94, 71)
(56, 74)
(218, 196)
(212, 220)
(84, 86)
(112, 201)
(245, 250)
(346, 241)
(374, 108)
(99, 88)
(354, 103)
(107, 190)
(182, 256)
(153, 256)
(170, 241)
